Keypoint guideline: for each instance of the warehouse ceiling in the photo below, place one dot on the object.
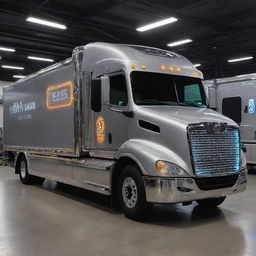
(219, 29)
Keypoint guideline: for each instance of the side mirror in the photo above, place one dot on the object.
(212, 96)
(105, 88)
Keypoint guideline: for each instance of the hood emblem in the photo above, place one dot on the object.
(215, 127)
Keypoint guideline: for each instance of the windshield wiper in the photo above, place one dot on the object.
(191, 104)
(148, 101)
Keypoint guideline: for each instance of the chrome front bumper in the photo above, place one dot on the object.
(177, 190)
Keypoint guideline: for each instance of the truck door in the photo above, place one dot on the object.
(109, 123)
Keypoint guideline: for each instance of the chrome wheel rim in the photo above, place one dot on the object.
(23, 169)
(129, 192)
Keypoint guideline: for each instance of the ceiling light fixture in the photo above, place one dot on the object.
(241, 59)
(156, 24)
(40, 59)
(185, 41)
(18, 76)
(197, 65)
(12, 67)
(246, 75)
(46, 23)
(5, 49)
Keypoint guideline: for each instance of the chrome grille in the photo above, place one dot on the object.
(214, 152)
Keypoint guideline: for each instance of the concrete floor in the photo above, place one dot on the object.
(61, 220)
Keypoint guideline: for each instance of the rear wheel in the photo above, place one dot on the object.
(131, 193)
(211, 202)
(25, 177)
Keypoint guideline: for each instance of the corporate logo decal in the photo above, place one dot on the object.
(212, 128)
(100, 129)
(21, 110)
(251, 106)
(60, 95)
(20, 107)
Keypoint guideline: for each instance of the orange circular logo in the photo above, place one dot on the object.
(100, 129)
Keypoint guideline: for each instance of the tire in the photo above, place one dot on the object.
(25, 177)
(131, 194)
(211, 202)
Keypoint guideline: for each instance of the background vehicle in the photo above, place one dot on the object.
(234, 97)
(126, 121)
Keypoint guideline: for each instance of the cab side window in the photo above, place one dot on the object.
(118, 90)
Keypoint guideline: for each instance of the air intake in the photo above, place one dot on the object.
(215, 149)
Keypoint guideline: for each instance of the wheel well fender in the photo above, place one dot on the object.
(146, 153)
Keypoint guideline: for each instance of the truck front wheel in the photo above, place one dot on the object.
(211, 202)
(25, 177)
(131, 193)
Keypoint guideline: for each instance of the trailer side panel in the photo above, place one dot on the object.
(39, 113)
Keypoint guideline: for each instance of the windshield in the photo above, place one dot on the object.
(163, 89)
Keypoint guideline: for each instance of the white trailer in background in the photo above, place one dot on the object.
(235, 97)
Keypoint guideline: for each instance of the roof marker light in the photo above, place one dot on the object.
(46, 23)
(143, 66)
(185, 41)
(178, 69)
(241, 59)
(12, 67)
(156, 24)
(163, 67)
(5, 49)
(133, 66)
(171, 68)
(40, 59)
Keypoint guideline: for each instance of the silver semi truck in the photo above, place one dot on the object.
(235, 97)
(126, 121)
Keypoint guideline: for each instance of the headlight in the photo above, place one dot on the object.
(242, 161)
(167, 168)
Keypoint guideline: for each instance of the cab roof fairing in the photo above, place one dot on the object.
(127, 55)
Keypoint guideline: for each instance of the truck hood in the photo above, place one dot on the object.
(186, 115)
(171, 140)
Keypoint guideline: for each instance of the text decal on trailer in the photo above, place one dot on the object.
(60, 95)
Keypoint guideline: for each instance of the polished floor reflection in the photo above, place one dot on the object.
(58, 219)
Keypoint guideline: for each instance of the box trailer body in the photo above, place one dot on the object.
(234, 97)
(126, 121)
(33, 123)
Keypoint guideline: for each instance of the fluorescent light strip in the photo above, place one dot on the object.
(197, 65)
(5, 49)
(185, 41)
(156, 24)
(18, 76)
(46, 23)
(246, 75)
(241, 59)
(40, 59)
(12, 67)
